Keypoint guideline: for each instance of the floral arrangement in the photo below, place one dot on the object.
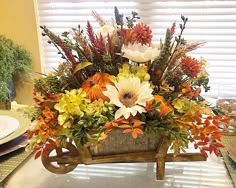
(118, 78)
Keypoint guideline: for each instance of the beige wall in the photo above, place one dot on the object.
(18, 23)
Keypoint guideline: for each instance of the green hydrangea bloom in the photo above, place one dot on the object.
(181, 105)
(128, 70)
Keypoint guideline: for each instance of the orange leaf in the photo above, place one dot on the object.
(194, 131)
(225, 119)
(47, 113)
(114, 124)
(210, 129)
(202, 136)
(209, 117)
(219, 144)
(53, 143)
(37, 147)
(211, 148)
(139, 131)
(216, 123)
(186, 88)
(124, 126)
(216, 135)
(137, 122)
(203, 152)
(134, 134)
(40, 143)
(197, 137)
(206, 140)
(38, 154)
(198, 119)
(201, 143)
(196, 92)
(127, 130)
(108, 131)
(206, 148)
(207, 122)
(216, 151)
(108, 125)
(45, 153)
(50, 146)
(122, 120)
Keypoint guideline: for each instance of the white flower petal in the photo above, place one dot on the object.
(126, 114)
(140, 109)
(140, 53)
(133, 111)
(132, 86)
(113, 95)
(145, 93)
(121, 112)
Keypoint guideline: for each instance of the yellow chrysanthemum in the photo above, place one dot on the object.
(71, 103)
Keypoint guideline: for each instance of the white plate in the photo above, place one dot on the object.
(8, 125)
(23, 125)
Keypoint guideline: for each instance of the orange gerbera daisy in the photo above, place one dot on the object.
(164, 107)
(95, 85)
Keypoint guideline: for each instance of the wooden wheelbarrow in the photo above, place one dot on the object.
(62, 160)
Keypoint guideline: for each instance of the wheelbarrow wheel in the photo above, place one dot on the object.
(61, 160)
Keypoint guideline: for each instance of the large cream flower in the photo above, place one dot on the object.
(139, 53)
(130, 94)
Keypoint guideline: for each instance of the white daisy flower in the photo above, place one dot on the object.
(130, 94)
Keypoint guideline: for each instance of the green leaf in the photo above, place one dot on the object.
(82, 66)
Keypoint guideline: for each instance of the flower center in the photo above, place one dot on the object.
(128, 99)
(92, 83)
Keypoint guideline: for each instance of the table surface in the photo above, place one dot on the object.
(205, 174)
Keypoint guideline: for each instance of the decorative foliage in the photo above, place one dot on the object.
(116, 78)
(14, 60)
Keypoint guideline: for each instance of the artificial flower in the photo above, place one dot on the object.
(129, 36)
(98, 107)
(119, 78)
(130, 95)
(190, 66)
(95, 85)
(143, 34)
(139, 53)
(156, 45)
(140, 72)
(71, 103)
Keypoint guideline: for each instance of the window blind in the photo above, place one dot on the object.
(211, 21)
